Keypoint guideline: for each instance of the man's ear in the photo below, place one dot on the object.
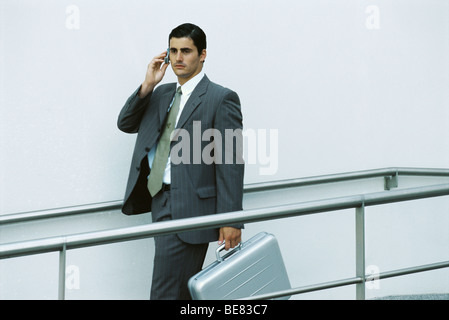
(203, 55)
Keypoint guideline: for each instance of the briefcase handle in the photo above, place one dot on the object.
(221, 248)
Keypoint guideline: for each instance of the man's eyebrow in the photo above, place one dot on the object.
(186, 48)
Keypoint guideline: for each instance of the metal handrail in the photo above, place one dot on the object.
(359, 202)
(87, 239)
(347, 176)
(248, 188)
(350, 281)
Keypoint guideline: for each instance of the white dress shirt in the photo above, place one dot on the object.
(186, 89)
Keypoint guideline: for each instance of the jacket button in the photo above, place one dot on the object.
(138, 168)
(147, 149)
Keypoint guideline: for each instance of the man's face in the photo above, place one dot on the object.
(184, 58)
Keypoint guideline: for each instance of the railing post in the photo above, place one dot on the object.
(360, 250)
(62, 268)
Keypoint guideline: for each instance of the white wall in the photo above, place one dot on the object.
(347, 85)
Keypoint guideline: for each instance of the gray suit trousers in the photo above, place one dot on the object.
(175, 261)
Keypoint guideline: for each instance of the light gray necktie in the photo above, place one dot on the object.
(163, 148)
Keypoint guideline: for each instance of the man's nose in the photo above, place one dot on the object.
(179, 56)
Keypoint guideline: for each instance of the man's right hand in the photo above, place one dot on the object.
(155, 73)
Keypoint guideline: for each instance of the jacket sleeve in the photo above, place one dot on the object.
(230, 172)
(132, 112)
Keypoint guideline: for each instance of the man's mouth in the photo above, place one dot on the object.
(180, 66)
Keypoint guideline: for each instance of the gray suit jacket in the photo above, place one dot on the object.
(197, 189)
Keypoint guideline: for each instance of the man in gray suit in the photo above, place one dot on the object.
(196, 114)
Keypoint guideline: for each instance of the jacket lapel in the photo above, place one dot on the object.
(194, 101)
(165, 101)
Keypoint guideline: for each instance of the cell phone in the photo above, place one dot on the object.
(167, 57)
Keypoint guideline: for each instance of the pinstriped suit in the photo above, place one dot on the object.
(196, 189)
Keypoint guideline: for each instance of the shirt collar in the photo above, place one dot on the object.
(188, 87)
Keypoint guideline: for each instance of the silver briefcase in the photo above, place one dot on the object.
(254, 267)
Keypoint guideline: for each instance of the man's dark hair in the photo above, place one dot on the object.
(189, 30)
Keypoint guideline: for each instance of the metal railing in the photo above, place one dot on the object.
(390, 176)
(357, 202)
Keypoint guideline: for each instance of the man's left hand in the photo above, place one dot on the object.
(231, 236)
